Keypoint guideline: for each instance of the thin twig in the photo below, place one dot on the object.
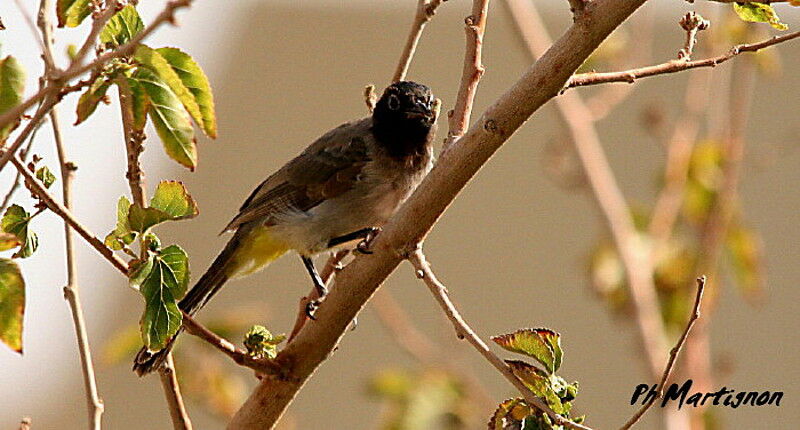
(239, 356)
(674, 66)
(618, 216)
(464, 331)
(53, 91)
(475, 26)
(425, 11)
(172, 391)
(40, 191)
(133, 144)
(673, 355)
(17, 178)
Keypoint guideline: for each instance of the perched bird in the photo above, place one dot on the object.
(337, 192)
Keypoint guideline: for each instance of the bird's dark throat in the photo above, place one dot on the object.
(403, 137)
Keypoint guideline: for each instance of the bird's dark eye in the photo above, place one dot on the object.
(393, 102)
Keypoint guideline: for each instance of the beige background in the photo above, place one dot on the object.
(512, 248)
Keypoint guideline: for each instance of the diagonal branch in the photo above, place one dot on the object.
(674, 66)
(673, 355)
(40, 191)
(464, 331)
(425, 11)
(172, 392)
(359, 280)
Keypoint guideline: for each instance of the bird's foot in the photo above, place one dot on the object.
(363, 246)
(311, 308)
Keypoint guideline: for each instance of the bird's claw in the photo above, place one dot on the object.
(311, 308)
(363, 246)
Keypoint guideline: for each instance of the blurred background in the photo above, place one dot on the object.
(523, 246)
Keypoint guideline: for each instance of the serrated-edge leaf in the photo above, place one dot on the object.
(553, 339)
(759, 12)
(142, 219)
(122, 27)
(122, 234)
(539, 382)
(161, 279)
(498, 419)
(527, 341)
(152, 59)
(12, 304)
(12, 86)
(90, 98)
(172, 198)
(72, 12)
(169, 117)
(193, 77)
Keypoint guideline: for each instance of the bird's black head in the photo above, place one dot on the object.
(404, 117)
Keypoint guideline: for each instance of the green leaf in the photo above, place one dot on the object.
(122, 27)
(72, 12)
(171, 202)
(169, 117)
(196, 81)
(509, 414)
(172, 198)
(88, 101)
(12, 85)
(140, 104)
(122, 234)
(15, 221)
(8, 241)
(46, 176)
(759, 12)
(539, 382)
(531, 342)
(153, 60)
(261, 343)
(162, 279)
(12, 304)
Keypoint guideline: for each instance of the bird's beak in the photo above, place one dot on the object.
(421, 110)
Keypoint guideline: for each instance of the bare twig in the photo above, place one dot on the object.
(357, 282)
(25, 423)
(673, 355)
(53, 91)
(172, 391)
(692, 22)
(425, 11)
(471, 74)
(23, 156)
(606, 191)
(464, 331)
(674, 66)
(240, 357)
(41, 192)
(133, 144)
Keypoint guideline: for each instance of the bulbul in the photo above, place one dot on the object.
(337, 192)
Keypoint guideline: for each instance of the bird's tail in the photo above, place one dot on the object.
(246, 249)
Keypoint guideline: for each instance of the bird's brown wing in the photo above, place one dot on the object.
(326, 169)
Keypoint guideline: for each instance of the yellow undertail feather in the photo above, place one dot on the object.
(257, 250)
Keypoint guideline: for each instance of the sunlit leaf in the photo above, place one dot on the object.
(531, 343)
(540, 383)
(509, 414)
(15, 221)
(196, 81)
(122, 235)
(169, 117)
(759, 12)
(162, 279)
(72, 12)
(12, 85)
(12, 304)
(122, 27)
(170, 202)
(8, 241)
(140, 103)
(88, 101)
(46, 176)
(261, 343)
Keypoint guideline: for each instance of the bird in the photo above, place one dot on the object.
(338, 192)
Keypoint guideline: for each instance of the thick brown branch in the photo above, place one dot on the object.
(464, 331)
(41, 192)
(240, 357)
(425, 11)
(356, 283)
(471, 74)
(674, 66)
(333, 264)
(673, 355)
